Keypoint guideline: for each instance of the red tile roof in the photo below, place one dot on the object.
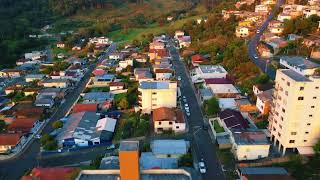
(9, 139)
(21, 125)
(163, 71)
(84, 107)
(167, 114)
(116, 84)
(198, 58)
(160, 52)
(98, 72)
(55, 173)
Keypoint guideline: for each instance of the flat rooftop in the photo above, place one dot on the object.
(294, 75)
(212, 69)
(154, 85)
(129, 146)
(300, 62)
(250, 137)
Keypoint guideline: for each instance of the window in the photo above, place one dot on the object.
(286, 93)
(154, 104)
(281, 118)
(154, 99)
(293, 133)
(177, 127)
(301, 88)
(170, 123)
(300, 98)
(310, 115)
(154, 93)
(274, 129)
(288, 83)
(304, 140)
(291, 141)
(280, 126)
(283, 110)
(314, 97)
(279, 134)
(317, 87)
(307, 132)
(168, 155)
(308, 124)
(312, 107)
(159, 123)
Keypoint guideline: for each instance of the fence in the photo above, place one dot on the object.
(266, 162)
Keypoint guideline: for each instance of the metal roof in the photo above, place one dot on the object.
(169, 146)
(154, 85)
(263, 170)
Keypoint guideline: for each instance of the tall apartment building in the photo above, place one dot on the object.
(156, 94)
(294, 121)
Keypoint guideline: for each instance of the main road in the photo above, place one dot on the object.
(200, 139)
(15, 167)
(253, 44)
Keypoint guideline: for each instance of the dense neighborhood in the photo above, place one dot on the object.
(231, 94)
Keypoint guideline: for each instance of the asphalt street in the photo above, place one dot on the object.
(253, 44)
(14, 168)
(200, 139)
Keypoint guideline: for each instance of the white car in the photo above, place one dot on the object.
(38, 136)
(179, 78)
(202, 167)
(184, 99)
(258, 31)
(187, 112)
(255, 56)
(186, 106)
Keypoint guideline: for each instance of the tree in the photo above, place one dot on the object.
(51, 145)
(123, 103)
(212, 106)
(57, 124)
(316, 147)
(2, 126)
(45, 138)
(186, 160)
(262, 79)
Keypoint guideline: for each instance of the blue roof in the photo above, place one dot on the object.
(154, 85)
(263, 170)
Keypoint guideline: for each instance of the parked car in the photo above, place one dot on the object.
(202, 167)
(112, 146)
(38, 136)
(179, 78)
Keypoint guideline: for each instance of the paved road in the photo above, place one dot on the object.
(14, 168)
(201, 141)
(262, 63)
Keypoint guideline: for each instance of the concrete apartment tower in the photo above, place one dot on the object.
(129, 160)
(294, 121)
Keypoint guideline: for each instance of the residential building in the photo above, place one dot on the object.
(116, 56)
(116, 86)
(315, 53)
(34, 77)
(156, 94)
(276, 27)
(168, 119)
(261, 173)
(205, 94)
(311, 10)
(178, 34)
(244, 105)
(259, 88)
(249, 144)
(311, 40)
(262, 8)
(169, 148)
(44, 101)
(86, 129)
(265, 50)
(232, 119)
(243, 31)
(85, 107)
(142, 74)
(10, 73)
(198, 59)
(264, 101)
(22, 125)
(208, 71)
(96, 97)
(102, 81)
(284, 16)
(163, 74)
(227, 103)
(8, 142)
(299, 64)
(100, 41)
(130, 168)
(224, 90)
(34, 55)
(125, 63)
(56, 83)
(184, 41)
(293, 120)
(60, 45)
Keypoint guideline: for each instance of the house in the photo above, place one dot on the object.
(207, 71)
(249, 144)
(31, 91)
(34, 55)
(311, 10)
(276, 27)
(54, 92)
(259, 88)
(265, 50)
(315, 53)
(169, 18)
(23, 61)
(227, 103)
(284, 16)
(209, 81)
(142, 74)
(102, 81)
(116, 86)
(277, 43)
(141, 58)
(299, 64)
(198, 59)
(97, 97)
(311, 40)
(178, 34)
(184, 41)
(263, 173)
(169, 148)
(8, 142)
(34, 77)
(22, 125)
(86, 129)
(125, 63)
(168, 119)
(244, 105)
(262, 8)
(56, 83)
(61, 45)
(44, 101)
(233, 119)
(224, 90)
(205, 94)
(10, 73)
(116, 56)
(98, 41)
(163, 74)
(243, 31)
(51, 173)
(11, 89)
(156, 94)
(98, 72)
(264, 101)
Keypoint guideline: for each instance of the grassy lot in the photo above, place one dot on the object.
(262, 124)
(217, 127)
(227, 160)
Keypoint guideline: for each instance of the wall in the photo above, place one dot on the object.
(251, 152)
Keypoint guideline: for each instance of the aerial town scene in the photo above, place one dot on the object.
(160, 90)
